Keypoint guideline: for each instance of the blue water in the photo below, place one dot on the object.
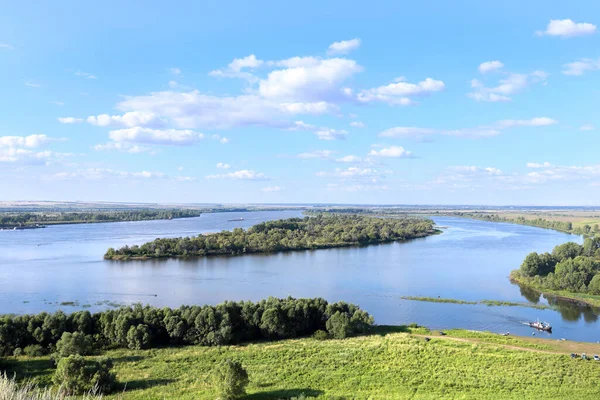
(471, 260)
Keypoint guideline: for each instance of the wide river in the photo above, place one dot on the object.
(471, 260)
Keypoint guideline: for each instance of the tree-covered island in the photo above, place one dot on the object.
(322, 231)
(571, 271)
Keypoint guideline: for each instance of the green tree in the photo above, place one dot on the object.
(138, 337)
(230, 379)
(74, 344)
(531, 265)
(594, 286)
(567, 250)
(338, 325)
(76, 375)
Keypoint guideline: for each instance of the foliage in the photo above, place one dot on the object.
(75, 343)
(34, 350)
(10, 220)
(320, 335)
(139, 327)
(485, 302)
(10, 389)
(77, 375)
(322, 231)
(230, 379)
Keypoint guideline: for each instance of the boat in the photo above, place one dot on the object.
(541, 326)
(237, 219)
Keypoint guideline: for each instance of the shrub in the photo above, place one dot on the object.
(230, 380)
(338, 325)
(74, 344)
(138, 337)
(34, 350)
(321, 335)
(18, 352)
(76, 375)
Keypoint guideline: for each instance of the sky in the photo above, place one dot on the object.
(383, 102)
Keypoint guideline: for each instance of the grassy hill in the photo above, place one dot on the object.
(393, 363)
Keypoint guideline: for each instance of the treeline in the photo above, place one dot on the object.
(570, 267)
(9, 220)
(322, 231)
(141, 327)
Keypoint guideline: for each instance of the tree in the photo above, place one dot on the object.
(74, 343)
(531, 265)
(138, 337)
(567, 250)
(230, 379)
(594, 286)
(76, 375)
(338, 325)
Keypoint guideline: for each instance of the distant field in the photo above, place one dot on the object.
(387, 365)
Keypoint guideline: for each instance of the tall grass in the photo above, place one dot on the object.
(11, 390)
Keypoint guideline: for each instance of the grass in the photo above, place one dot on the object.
(392, 363)
(486, 302)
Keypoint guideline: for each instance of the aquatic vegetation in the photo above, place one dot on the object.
(485, 302)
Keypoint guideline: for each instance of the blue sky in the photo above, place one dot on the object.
(287, 102)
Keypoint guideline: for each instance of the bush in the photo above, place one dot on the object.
(18, 352)
(74, 344)
(321, 335)
(230, 379)
(138, 337)
(338, 325)
(76, 375)
(34, 350)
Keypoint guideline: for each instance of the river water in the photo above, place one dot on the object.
(471, 260)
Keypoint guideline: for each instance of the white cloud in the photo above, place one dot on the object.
(123, 147)
(349, 159)
(223, 165)
(130, 120)
(105, 173)
(31, 141)
(322, 154)
(156, 136)
(70, 120)
(236, 67)
(581, 66)
(587, 127)
(357, 187)
(554, 173)
(400, 92)
(510, 85)
(394, 151)
(247, 175)
(477, 132)
(32, 84)
(343, 47)
(175, 71)
(173, 84)
(330, 134)
(315, 82)
(5, 46)
(272, 189)
(541, 121)
(489, 66)
(539, 165)
(86, 75)
(357, 124)
(352, 172)
(567, 28)
(20, 150)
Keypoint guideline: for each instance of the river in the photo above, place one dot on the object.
(471, 260)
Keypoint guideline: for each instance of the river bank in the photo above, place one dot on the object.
(583, 298)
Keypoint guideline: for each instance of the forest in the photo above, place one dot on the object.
(12, 220)
(141, 327)
(321, 231)
(570, 267)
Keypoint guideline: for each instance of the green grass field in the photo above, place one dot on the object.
(387, 365)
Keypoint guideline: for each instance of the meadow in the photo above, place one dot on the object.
(391, 363)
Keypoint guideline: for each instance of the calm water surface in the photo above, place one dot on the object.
(471, 260)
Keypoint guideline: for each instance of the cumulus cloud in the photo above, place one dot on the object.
(30, 141)
(538, 165)
(343, 47)
(322, 154)
(106, 173)
(21, 150)
(223, 166)
(235, 69)
(245, 174)
(272, 189)
(510, 85)
(581, 66)
(477, 132)
(130, 119)
(123, 147)
(177, 137)
(357, 187)
(400, 92)
(394, 151)
(567, 28)
(490, 66)
(349, 159)
(357, 124)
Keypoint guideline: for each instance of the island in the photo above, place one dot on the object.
(571, 271)
(316, 232)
